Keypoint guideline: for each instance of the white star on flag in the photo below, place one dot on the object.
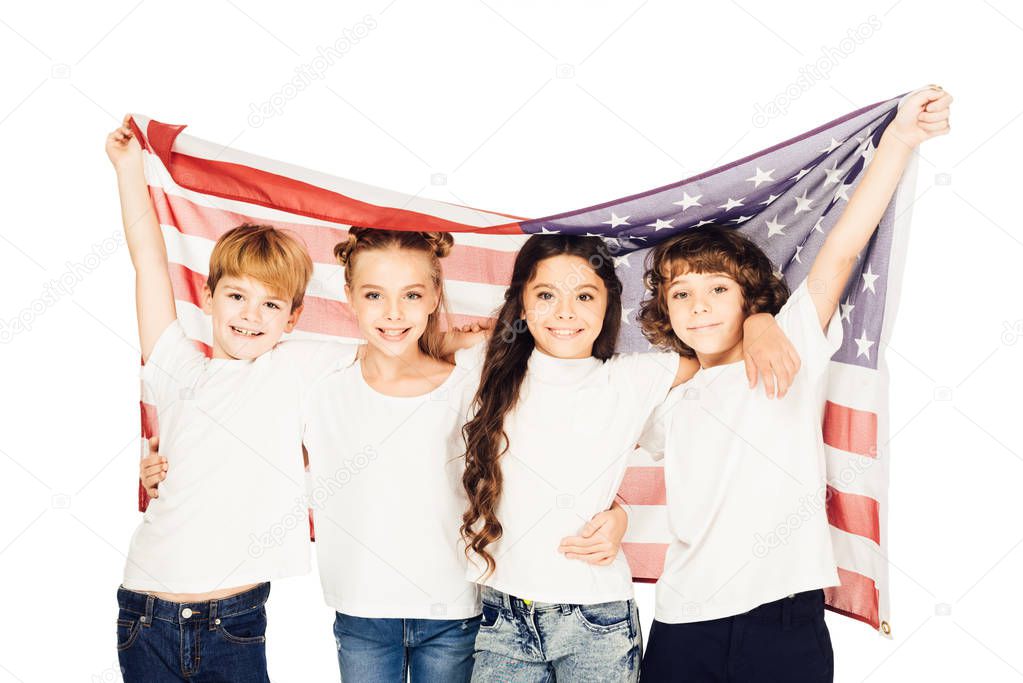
(616, 221)
(832, 146)
(731, 204)
(688, 201)
(847, 309)
(834, 175)
(803, 203)
(868, 280)
(761, 177)
(863, 345)
(660, 224)
(774, 227)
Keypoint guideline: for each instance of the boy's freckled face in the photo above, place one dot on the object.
(706, 311)
(392, 295)
(248, 318)
(564, 305)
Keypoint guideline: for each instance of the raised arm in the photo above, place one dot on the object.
(921, 116)
(154, 298)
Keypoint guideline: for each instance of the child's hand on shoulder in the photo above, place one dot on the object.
(600, 539)
(769, 355)
(922, 115)
(123, 150)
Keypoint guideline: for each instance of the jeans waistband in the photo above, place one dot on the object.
(150, 607)
(521, 605)
(798, 607)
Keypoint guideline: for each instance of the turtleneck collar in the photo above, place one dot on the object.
(560, 370)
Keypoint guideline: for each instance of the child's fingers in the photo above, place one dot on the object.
(152, 493)
(751, 371)
(934, 127)
(578, 543)
(767, 377)
(932, 116)
(942, 102)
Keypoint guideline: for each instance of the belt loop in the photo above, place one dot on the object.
(506, 599)
(786, 612)
(147, 618)
(214, 604)
(565, 608)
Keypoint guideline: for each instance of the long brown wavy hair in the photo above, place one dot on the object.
(503, 371)
(436, 245)
(709, 249)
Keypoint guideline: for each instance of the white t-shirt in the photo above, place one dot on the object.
(387, 496)
(746, 482)
(570, 436)
(232, 510)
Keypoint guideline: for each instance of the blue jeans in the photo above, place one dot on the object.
(389, 650)
(520, 642)
(781, 641)
(200, 642)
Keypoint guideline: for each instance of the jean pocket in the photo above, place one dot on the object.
(605, 617)
(127, 633)
(244, 629)
(490, 620)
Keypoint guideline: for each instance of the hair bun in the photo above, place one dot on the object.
(343, 250)
(441, 242)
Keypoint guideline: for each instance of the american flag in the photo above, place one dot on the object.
(785, 198)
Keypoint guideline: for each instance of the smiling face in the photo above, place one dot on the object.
(392, 294)
(564, 305)
(707, 313)
(248, 318)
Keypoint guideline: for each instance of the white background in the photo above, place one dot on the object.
(651, 92)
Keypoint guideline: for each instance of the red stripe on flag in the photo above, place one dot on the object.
(643, 486)
(465, 263)
(850, 430)
(255, 186)
(646, 560)
(854, 514)
(857, 597)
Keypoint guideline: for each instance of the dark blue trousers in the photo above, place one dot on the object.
(785, 641)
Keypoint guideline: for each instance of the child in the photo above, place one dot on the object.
(384, 446)
(736, 466)
(195, 580)
(556, 416)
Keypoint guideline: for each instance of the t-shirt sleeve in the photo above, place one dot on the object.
(172, 367)
(799, 321)
(471, 359)
(310, 359)
(654, 433)
(643, 380)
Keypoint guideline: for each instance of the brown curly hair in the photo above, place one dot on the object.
(504, 369)
(436, 245)
(709, 249)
